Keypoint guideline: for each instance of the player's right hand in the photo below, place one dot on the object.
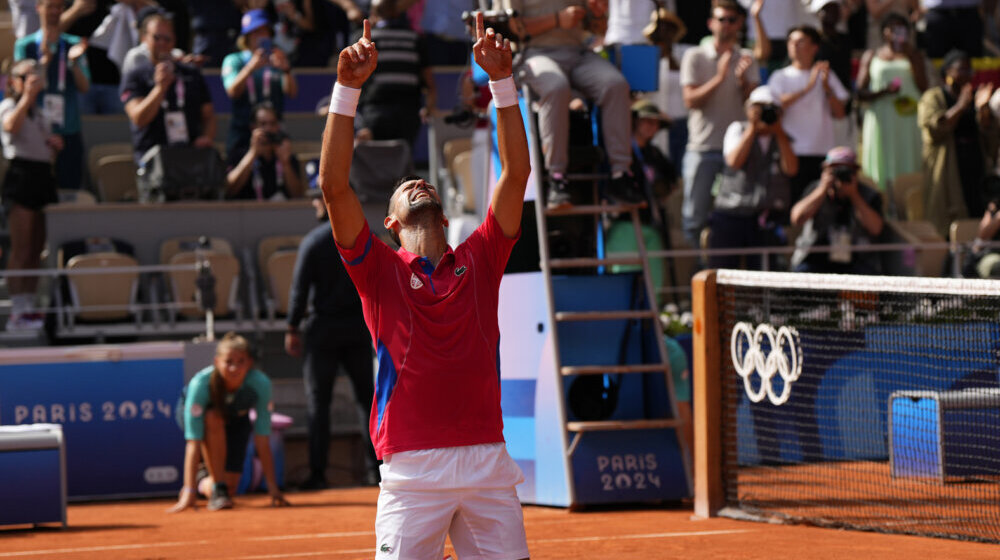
(356, 62)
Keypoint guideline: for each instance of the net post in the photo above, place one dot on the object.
(709, 493)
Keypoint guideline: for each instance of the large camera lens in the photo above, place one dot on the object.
(769, 114)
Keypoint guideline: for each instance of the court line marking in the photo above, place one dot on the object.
(530, 542)
(347, 534)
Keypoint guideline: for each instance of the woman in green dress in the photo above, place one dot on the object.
(891, 79)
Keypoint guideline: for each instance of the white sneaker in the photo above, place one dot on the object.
(25, 322)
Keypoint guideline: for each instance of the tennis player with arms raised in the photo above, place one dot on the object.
(432, 312)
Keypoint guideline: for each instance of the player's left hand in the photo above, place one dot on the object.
(492, 51)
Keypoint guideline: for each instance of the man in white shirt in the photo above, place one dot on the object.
(811, 97)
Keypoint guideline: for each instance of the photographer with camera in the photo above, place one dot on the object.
(754, 188)
(840, 212)
(811, 97)
(268, 170)
(258, 72)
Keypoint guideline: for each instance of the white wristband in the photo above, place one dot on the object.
(344, 100)
(504, 92)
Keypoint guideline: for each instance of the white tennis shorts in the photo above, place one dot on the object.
(463, 492)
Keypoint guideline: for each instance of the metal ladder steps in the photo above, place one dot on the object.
(591, 209)
(619, 425)
(604, 315)
(615, 426)
(585, 262)
(617, 368)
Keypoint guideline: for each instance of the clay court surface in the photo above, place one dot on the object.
(338, 524)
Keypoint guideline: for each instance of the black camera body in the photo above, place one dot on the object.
(275, 137)
(499, 20)
(769, 114)
(843, 173)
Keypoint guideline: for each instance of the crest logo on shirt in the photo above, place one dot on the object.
(196, 410)
(461, 270)
(415, 282)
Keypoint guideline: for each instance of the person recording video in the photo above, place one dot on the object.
(268, 170)
(841, 212)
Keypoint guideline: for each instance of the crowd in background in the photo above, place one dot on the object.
(891, 79)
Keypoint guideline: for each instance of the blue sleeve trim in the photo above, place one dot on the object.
(368, 247)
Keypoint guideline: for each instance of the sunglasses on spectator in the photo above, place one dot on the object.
(727, 19)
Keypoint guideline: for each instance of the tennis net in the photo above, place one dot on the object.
(862, 402)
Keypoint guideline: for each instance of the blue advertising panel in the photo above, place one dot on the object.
(117, 414)
(31, 491)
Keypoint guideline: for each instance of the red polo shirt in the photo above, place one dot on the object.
(438, 341)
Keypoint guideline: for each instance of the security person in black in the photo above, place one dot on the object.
(334, 335)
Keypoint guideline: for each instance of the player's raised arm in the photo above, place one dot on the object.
(492, 53)
(355, 64)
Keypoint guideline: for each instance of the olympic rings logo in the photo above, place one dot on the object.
(783, 357)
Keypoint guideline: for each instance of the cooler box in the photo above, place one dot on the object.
(32, 474)
(945, 434)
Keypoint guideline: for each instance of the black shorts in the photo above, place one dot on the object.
(238, 432)
(28, 183)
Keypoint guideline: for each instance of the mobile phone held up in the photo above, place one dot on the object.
(266, 44)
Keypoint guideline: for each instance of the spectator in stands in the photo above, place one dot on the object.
(28, 186)
(334, 335)
(23, 17)
(841, 212)
(770, 23)
(626, 20)
(217, 426)
(139, 55)
(555, 59)
(755, 188)
(267, 170)
(650, 166)
(834, 45)
(665, 30)
(960, 136)
(306, 24)
(955, 24)
(984, 261)
(215, 25)
(64, 75)
(891, 79)
(391, 107)
(811, 98)
(258, 72)
(167, 102)
(717, 78)
(879, 9)
(102, 95)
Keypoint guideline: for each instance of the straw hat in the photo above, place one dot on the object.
(660, 17)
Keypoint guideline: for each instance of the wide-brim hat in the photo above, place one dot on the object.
(645, 109)
(660, 17)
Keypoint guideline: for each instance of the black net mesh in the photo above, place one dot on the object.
(876, 410)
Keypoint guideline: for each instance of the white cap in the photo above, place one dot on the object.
(763, 96)
(816, 5)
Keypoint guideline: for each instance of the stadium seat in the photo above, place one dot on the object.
(306, 147)
(116, 178)
(928, 262)
(460, 170)
(272, 244)
(901, 187)
(99, 151)
(375, 168)
(172, 246)
(76, 196)
(915, 205)
(113, 289)
(280, 271)
(226, 270)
